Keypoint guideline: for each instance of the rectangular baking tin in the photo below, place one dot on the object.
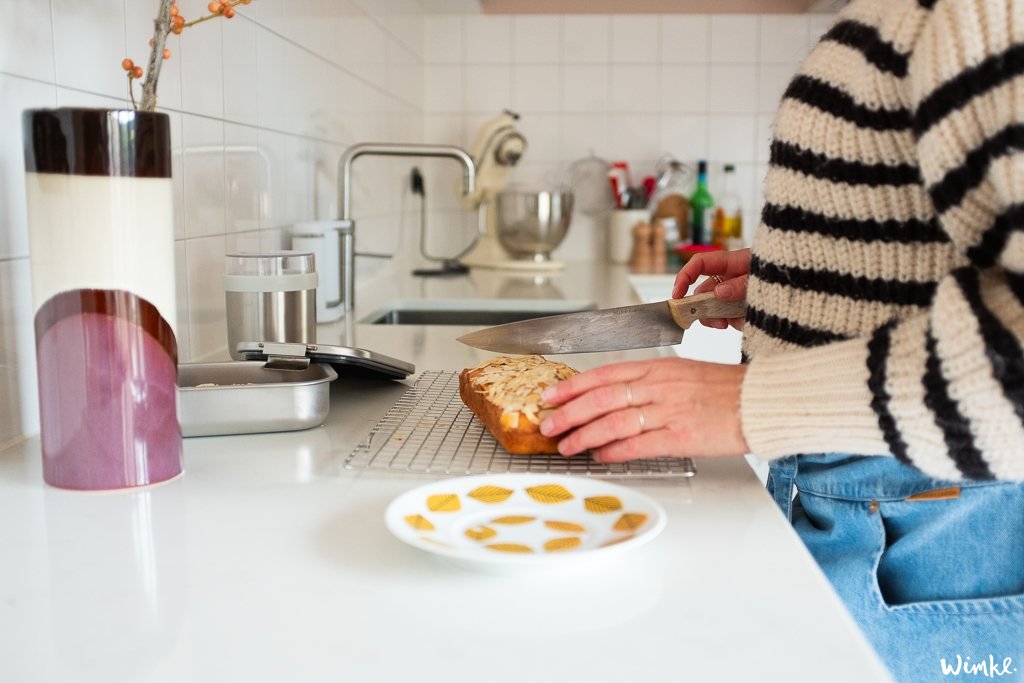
(248, 398)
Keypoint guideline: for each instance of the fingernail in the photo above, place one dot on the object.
(723, 290)
(548, 394)
(546, 427)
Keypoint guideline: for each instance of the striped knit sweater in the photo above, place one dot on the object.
(886, 286)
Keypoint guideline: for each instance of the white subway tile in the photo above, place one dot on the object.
(442, 129)
(26, 39)
(634, 88)
(443, 88)
(361, 47)
(19, 398)
(442, 36)
(732, 138)
(685, 39)
(543, 134)
(487, 39)
(772, 84)
(734, 39)
(634, 39)
(537, 39)
(202, 51)
(685, 136)
(89, 44)
(584, 135)
(763, 137)
(783, 39)
(16, 95)
(240, 76)
(733, 88)
(177, 174)
(203, 150)
(585, 39)
(204, 259)
(536, 88)
(817, 26)
(684, 88)
(633, 137)
(181, 295)
(487, 88)
(584, 88)
(241, 178)
(274, 88)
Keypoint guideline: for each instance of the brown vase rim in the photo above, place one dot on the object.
(97, 142)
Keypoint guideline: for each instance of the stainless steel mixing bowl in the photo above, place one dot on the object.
(531, 224)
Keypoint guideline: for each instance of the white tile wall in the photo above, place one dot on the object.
(262, 106)
(630, 87)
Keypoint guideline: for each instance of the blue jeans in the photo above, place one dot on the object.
(931, 579)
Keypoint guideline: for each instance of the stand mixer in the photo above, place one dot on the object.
(497, 148)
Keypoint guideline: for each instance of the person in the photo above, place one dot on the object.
(883, 372)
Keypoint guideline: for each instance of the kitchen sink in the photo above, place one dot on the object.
(471, 312)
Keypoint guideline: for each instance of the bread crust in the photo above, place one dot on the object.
(521, 438)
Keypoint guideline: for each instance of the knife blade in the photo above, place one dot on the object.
(609, 329)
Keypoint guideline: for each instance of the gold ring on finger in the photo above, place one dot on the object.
(641, 420)
(717, 278)
(629, 394)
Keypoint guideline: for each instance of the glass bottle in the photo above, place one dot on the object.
(701, 205)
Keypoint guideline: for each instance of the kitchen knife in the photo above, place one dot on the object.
(609, 329)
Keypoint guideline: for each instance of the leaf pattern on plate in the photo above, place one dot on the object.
(630, 521)
(513, 519)
(561, 544)
(602, 504)
(509, 548)
(570, 527)
(444, 502)
(490, 494)
(419, 522)
(549, 494)
(480, 533)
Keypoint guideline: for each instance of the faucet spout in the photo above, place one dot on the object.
(389, 149)
(386, 149)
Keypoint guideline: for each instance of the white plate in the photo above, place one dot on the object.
(519, 521)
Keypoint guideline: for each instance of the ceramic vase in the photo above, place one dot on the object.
(101, 234)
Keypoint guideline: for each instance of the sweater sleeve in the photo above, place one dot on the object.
(944, 390)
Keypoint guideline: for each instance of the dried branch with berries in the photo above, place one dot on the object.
(168, 20)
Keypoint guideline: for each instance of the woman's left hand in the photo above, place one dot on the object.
(669, 406)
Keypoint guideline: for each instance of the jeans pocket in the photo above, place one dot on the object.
(958, 556)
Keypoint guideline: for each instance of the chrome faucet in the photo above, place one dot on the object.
(347, 229)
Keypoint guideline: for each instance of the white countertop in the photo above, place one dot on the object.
(267, 561)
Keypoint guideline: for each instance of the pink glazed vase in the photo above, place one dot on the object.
(101, 232)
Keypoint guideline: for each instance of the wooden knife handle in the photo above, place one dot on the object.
(690, 308)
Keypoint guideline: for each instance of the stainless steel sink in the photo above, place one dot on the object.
(471, 312)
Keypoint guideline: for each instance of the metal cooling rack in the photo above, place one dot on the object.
(431, 431)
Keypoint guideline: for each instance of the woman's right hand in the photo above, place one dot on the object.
(731, 266)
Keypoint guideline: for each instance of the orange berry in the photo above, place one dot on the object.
(176, 30)
(174, 10)
(246, 2)
(127, 64)
(137, 72)
(178, 20)
(167, 54)
(228, 12)
(214, 7)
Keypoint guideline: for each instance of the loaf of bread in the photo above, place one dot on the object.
(504, 393)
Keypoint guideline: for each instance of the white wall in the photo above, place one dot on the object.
(627, 87)
(261, 108)
(263, 105)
